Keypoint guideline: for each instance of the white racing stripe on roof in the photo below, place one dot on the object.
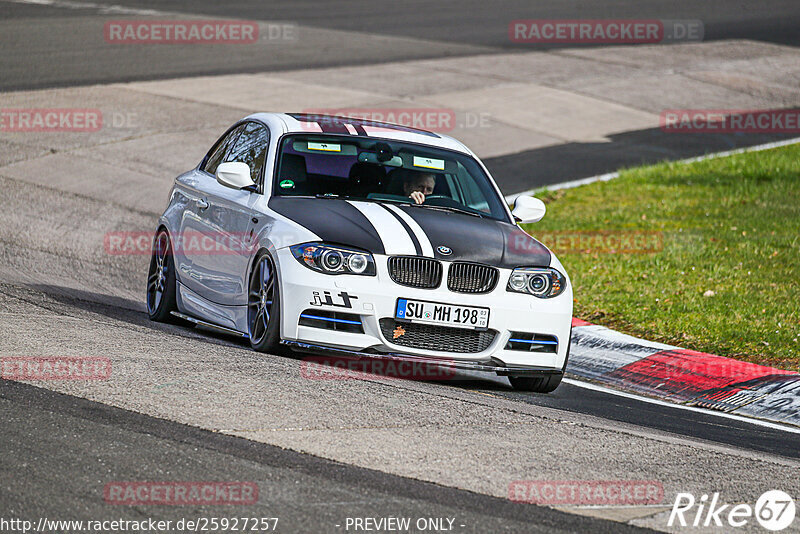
(310, 126)
(395, 238)
(424, 242)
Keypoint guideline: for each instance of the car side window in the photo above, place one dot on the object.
(220, 150)
(251, 148)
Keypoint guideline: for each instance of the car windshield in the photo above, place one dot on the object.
(384, 171)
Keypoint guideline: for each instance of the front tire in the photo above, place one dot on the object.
(264, 306)
(536, 384)
(541, 384)
(161, 283)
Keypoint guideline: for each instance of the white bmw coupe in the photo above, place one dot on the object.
(361, 239)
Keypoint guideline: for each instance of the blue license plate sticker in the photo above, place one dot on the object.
(401, 308)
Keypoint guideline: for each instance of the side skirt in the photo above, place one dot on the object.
(211, 326)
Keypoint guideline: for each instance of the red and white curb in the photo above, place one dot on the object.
(692, 379)
(601, 355)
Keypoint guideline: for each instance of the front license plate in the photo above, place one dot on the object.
(421, 311)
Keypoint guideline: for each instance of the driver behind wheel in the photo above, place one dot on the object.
(419, 185)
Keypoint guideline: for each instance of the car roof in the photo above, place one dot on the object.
(320, 123)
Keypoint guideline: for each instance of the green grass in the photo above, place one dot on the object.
(729, 225)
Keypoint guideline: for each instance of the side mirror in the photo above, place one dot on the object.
(528, 209)
(234, 174)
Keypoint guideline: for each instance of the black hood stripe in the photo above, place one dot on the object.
(478, 240)
(357, 225)
(469, 238)
(411, 234)
(417, 231)
(333, 220)
(396, 240)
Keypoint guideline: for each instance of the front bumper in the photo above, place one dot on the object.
(466, 365)
(373, 298)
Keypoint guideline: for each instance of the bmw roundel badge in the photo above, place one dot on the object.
(444, 251)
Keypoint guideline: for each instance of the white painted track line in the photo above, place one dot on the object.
(743, 419)
(611, 175)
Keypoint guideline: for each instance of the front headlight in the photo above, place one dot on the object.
(540, 282)
(330, 259)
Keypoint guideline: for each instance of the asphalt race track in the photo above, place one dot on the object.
(184, 404)
(49, 41)
(76, 446)
(307, 493)
(408, 30)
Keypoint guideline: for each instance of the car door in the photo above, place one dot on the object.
(218, 235)
(193, 189)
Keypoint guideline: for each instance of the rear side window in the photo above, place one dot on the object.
(220, 150)
(251, 148)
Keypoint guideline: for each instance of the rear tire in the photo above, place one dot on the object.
(161, 282)
(541, 384)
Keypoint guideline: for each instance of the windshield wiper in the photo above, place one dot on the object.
(390, 200)
(449, 208)
(404, 202)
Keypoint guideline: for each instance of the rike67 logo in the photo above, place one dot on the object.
(774, 510)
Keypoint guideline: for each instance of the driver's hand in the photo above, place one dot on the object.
(417, 197)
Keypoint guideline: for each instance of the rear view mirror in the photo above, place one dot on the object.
(234, 174)
(372, 157)
(528, 209)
